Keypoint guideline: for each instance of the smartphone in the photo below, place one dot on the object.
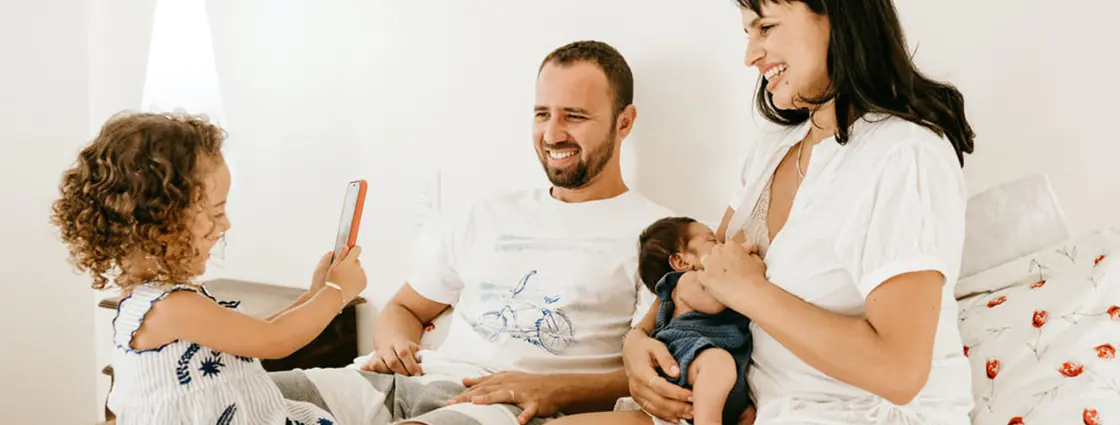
(351, 218)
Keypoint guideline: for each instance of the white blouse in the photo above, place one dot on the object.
(890, 201)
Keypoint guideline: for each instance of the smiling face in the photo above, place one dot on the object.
(209, 223)
(789, 47)
(574, 125)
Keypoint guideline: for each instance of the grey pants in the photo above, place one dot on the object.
(406, 398)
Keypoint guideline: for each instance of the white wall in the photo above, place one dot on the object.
(394, 91)
(46, 359)
(317, 93)
(1040, 88)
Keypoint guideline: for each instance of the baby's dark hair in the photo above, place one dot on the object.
(129, 193)
(658, 243)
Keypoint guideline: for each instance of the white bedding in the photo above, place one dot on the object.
(1043, 350)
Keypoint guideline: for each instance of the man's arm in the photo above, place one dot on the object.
(397, 333)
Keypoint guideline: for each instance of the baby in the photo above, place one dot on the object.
(709, 341)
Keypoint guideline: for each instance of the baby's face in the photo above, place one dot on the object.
(701, 240)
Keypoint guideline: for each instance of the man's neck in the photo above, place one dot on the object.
(601, 188)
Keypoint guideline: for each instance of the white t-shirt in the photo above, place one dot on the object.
(890, 201)
(538, 285)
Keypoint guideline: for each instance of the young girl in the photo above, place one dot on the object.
(142, 208)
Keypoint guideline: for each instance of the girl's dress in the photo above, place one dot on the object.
(185, 383)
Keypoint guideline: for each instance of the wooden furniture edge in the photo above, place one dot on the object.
(112, 302)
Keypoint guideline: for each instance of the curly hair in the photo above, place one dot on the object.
(131, 192)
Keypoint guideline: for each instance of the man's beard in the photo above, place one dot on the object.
(579, 175)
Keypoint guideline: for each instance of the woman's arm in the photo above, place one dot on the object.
(887, 351)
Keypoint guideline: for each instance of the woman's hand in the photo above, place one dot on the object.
(730, 268)
(641, 355)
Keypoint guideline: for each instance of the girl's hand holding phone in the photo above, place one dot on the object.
(319, 278)
(347, 273)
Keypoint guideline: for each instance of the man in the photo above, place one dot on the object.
(544, 282)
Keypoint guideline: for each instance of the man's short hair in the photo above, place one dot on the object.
(608, 59)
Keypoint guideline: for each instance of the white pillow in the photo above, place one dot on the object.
(1043, 351)
(1004, 223)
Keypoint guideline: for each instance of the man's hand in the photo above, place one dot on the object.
(532, 393)
(642, 356)
(398, 357)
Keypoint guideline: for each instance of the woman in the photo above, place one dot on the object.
(857, 205)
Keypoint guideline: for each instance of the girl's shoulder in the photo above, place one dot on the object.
(136, 305)
(145, 295)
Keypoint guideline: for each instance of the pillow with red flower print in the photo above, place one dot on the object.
(1044, 350)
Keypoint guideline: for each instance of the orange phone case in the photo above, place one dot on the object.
(356, 221)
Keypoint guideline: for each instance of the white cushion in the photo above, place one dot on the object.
(1004, 223)
(1043, 351)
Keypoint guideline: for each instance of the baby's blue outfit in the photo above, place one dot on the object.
(692, 332)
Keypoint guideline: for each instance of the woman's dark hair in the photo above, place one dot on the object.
(657, 244)
(870, 71)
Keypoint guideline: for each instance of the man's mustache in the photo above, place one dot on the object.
(560, 146)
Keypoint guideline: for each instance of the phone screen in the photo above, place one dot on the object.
(349, 218)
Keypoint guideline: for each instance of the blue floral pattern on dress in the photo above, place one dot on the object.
(227, 415)
(212, 366)
(182, 370)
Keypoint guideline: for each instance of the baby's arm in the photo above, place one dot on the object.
(190, 316)
(712, 375)
(695, 297)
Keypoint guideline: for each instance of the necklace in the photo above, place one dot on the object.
(799, 149)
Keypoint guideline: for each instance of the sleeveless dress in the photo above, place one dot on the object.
(185, 383)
